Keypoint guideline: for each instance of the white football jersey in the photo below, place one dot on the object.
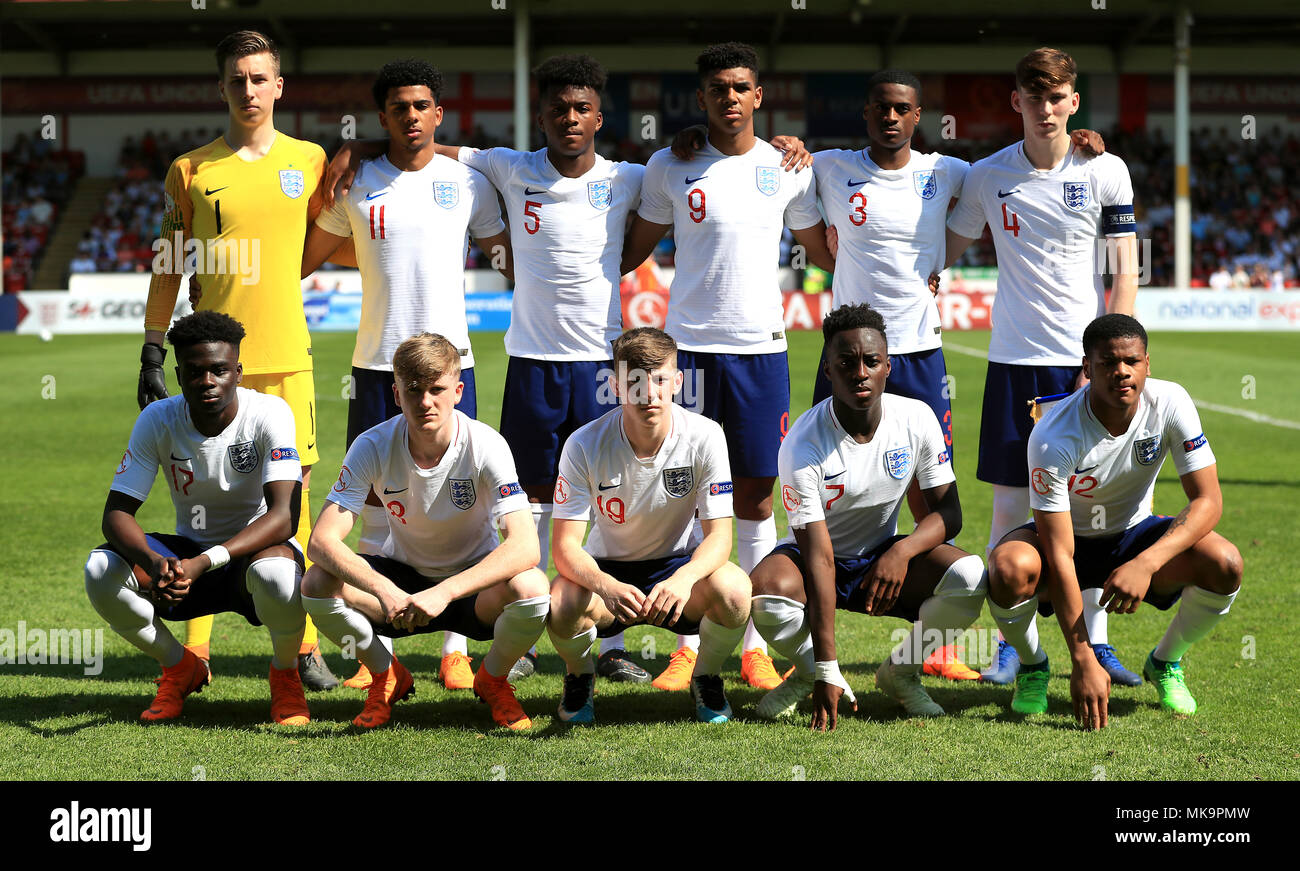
(567, 237)
(409, 231)
(1107, 482)
(891, 230)
(1047, 225)
(858, 489)
(727, 215)
(440, 520)
(644, 508)
(215, 481)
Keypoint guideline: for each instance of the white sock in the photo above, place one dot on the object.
(114, 592)
(1010, 509)
(754, 540)
(542, 520)
(691, 641)
(273, 583)
(956, 604)
(374, 529)
(716, 643)
(576, 651)
(613, 642)
(1019, 629)
(784, 623)
(337, 622)
(520, 625)
(1198, 611)
(1094, 616)
(454, 642)
(752, 640)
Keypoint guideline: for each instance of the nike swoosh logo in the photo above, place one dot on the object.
(210, 191)
(853, 183)
(836, 475)
(388, 492)
(310, 446)
(528, 192)
(372, 196)
(1008, 193)
(690, 180)
(1079, 471)
(181, 459)
(609, 486)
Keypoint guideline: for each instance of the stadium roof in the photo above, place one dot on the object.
(64, 26)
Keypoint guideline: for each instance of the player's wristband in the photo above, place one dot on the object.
(829, 672)
(218, 556)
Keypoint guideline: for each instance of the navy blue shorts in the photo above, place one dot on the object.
(457, 617)
(373, 402)
(850, 591)
(1096, 558)
(215, 591)
(921, 375)
(644, 574)
(544, 401)
(1005, 421)
(749, 394)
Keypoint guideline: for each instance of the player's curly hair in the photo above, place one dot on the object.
(1044, 69)
(1109, 327)
(203, 327)
(727, 56)
(243, 43)
(852, 317)
(402, 73)
(895, 77)
(565, 70)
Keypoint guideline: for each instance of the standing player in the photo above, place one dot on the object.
(1046, 203)
(846, 467)
(408, 212)
(727, 207)
(229, 462)
(441, 566)
(1093, 461)
(246, 198)
(567, 209)
(645, 470)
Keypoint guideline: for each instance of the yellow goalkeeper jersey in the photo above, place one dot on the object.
(240, 225)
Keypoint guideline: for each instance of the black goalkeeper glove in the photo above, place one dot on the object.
(153, 382)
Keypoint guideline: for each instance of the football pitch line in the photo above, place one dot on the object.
(1199, 403)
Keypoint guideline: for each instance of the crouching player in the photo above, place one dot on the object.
(448, 483)
(846, 466)
(235, 480)
(1093, 462)
(644, 470)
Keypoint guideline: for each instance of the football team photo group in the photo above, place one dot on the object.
(636, 474)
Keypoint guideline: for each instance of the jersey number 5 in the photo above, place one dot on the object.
(1010, 221)
(530, 211)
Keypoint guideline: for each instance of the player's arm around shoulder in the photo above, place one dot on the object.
(654, 214)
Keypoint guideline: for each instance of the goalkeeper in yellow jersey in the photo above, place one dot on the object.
(236, 215)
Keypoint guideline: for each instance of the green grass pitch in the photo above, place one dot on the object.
(68, 408)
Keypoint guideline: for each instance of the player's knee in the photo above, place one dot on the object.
(528, 584)
(1013, 574)
(320, 584)
(274, 576)
(568, 601)
(1227, 566)
(768, 579)
(731, 587)
(105, 572)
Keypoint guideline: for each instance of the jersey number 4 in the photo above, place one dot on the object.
(1010, 221)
